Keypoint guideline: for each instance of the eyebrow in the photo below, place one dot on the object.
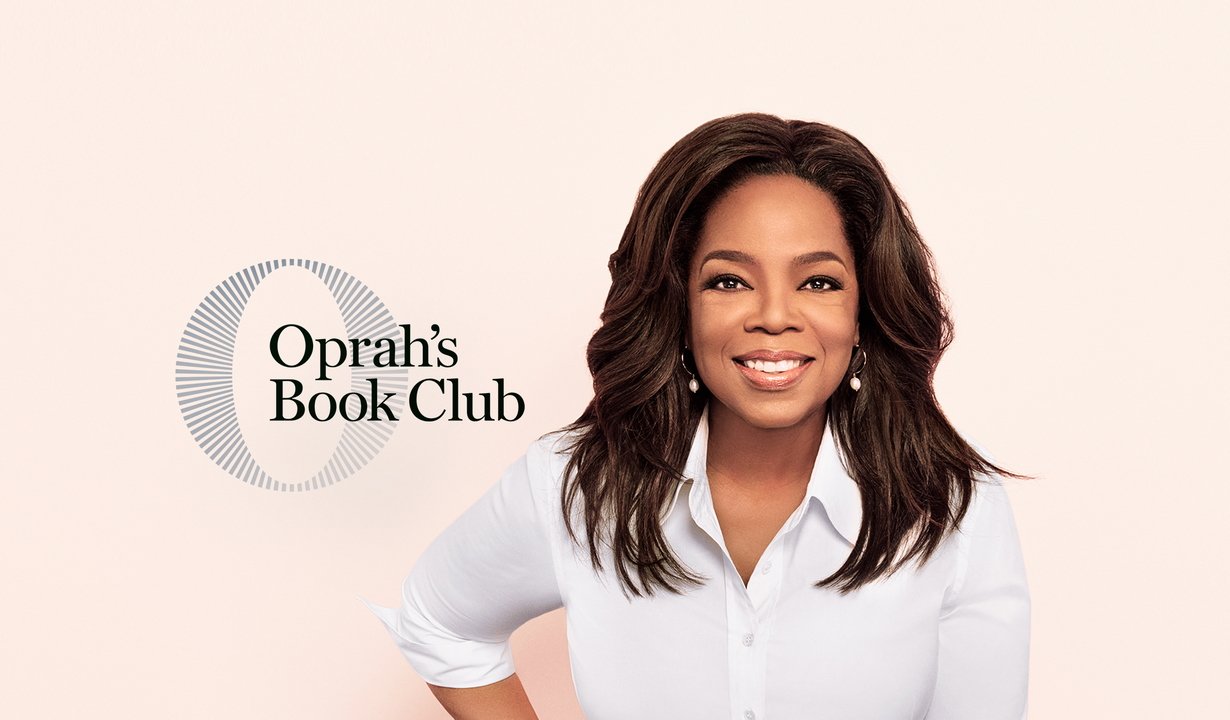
(742, 257)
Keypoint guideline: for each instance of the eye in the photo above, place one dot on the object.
(819, 281)
(724, 282)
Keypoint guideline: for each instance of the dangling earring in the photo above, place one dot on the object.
(855, 383)
(693, 384)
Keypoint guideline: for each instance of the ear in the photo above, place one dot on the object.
(856, 332)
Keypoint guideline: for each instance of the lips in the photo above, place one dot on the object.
(773, 369)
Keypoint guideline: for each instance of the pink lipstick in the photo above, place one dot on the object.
(773, 369)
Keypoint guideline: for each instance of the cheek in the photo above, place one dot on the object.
(709, 332)
(835, 322)
(698, 332)
(836, 328)
(835, 334)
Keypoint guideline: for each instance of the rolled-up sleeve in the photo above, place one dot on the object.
(983, 670)
(482, 578)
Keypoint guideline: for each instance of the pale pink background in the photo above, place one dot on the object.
(475, 166)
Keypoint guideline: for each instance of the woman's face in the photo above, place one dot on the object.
(773, 302)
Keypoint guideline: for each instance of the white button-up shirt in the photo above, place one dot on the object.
(949, 641)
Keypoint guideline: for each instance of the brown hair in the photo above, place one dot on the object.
(916, 474)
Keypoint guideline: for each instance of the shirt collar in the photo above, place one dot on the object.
(829, 484)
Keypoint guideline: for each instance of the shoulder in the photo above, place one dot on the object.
(556, 442)
(986, 539)
(989, 502)
(551, 451)
(544, 462)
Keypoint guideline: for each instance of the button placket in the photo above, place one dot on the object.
(763, 584)
(763, 590)
(746, 664)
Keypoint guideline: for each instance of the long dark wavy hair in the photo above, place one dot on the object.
(915, 473)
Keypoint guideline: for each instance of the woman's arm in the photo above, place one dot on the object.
(502, 700)
(983, 671)
(482, 578)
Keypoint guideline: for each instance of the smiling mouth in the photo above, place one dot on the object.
(774, 375)
(768, 366)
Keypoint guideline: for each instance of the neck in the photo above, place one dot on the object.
(744, 455)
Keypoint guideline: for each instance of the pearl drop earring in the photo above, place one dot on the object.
(693, 384)
(855, 383)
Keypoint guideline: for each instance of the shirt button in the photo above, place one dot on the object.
(749, 715)
(747, 642)
(767, 566)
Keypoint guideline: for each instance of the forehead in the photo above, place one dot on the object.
(772, 217)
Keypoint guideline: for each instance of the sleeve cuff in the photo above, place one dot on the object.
(441, 658)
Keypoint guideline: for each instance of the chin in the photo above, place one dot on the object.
(773, 415)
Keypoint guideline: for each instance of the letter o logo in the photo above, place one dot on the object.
(204, 382)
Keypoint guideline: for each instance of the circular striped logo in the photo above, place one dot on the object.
(205, 386)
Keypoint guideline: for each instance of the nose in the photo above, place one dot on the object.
(774, 312)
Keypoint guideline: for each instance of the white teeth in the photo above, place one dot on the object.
(772, 367)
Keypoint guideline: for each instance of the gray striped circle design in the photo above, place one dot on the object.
(204, 382)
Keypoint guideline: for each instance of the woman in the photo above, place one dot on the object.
(763, 513)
